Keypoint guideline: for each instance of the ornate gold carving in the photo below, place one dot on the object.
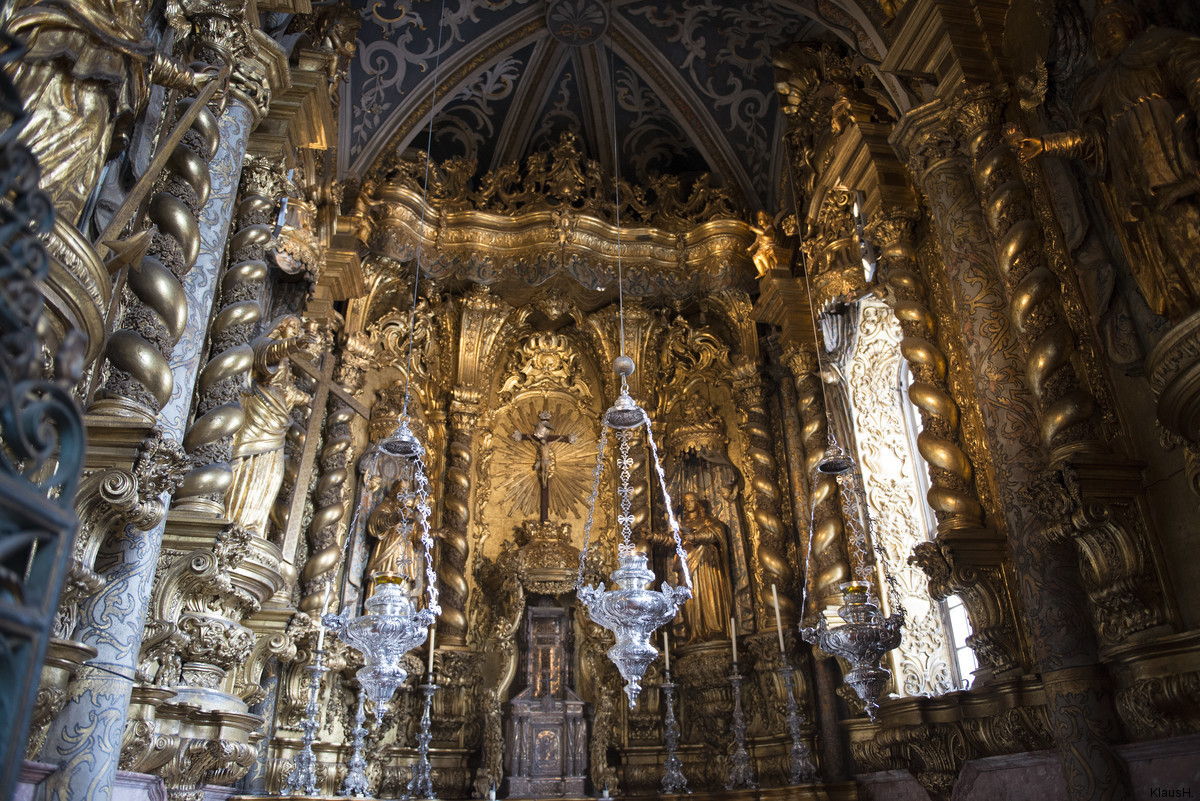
(707, 616)
(529, 463)
(543, 361)
(553, 219)
(1128, 107)
(766, 252)
(762, 495)
(83, 79)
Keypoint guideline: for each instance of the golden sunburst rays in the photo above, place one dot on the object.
(567, 461)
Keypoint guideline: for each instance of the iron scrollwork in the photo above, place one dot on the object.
(41, 432)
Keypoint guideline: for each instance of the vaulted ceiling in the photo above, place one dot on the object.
(693, 79)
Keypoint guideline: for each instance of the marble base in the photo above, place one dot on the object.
(32, 774)
(1156, 770)
(128, 786)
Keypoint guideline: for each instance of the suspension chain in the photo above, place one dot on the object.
(587, 528)
(671, 521)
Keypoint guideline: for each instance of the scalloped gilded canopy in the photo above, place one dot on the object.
(693, 81)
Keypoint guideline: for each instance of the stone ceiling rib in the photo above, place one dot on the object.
(412, 114)
(533, 90)
(706, 135)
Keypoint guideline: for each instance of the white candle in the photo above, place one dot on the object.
(667, 650)
(321, 620)
(733, 639)
(778, 619)
(431, 631)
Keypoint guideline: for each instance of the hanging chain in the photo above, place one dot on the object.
(812, 533)
(858, 492)
(587, 528)
(671, 521)
(421, 492)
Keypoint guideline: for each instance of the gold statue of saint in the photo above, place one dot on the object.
(393, 557)
(1139, 114)
(258, 458)
(84, 78)
(706, 616)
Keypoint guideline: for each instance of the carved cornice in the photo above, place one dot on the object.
(555, 218)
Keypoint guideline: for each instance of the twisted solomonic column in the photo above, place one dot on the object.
(951, 494)
(829, 562)
(219, 413)
(1116, 559)
(762, 479)
(332, 496)
(456, 514)
(139, 376)
(1064, 403)
(968, 558)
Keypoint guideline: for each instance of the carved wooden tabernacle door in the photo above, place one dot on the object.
(547, 736)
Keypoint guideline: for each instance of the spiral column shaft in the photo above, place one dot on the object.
(951, 492)
(452, 563)
(1064, 403)
(155, 313)
(332, 494)
(219, 413)
(762, 478)
(1111, 543)
(968, 558)
(829, 564)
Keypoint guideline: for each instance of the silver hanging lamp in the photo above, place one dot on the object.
(865, 636)
(631, 610)
(393, 624)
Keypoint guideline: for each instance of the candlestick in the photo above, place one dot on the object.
(778, 619)
(421, 783)
(667, 650)
(733, 638)
(673, 780)
(741, 772)
(431, 631)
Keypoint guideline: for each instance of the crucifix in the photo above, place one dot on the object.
(544, 466)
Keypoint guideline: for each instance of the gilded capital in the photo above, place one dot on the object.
(923, 140)
(892, 228)
(977, 110)
(220, 29)
(264, 176)
(801, 361)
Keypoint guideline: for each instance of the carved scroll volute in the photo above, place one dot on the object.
(111, 499)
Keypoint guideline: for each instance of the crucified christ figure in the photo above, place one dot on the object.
(544, 466)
